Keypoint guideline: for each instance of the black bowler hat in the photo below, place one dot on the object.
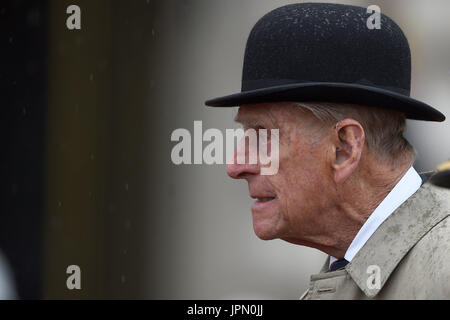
(326, 52)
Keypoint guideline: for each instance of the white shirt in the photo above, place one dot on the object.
(405, 188)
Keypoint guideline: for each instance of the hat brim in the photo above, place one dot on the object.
(333, 92)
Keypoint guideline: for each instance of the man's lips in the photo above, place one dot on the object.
(262, 197)
(265, 199)
(262, 201)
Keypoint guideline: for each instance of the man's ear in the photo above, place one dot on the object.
(349, 143)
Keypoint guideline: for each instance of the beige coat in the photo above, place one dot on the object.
(408, 256)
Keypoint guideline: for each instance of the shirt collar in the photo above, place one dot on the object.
(406, 187)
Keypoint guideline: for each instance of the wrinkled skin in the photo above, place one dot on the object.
(327, 184)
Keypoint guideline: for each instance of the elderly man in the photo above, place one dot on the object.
(338, 91)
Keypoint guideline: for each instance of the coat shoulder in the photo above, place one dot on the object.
(424, 271)
(435, 244)
(426, 265)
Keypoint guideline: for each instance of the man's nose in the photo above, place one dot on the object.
(241, 170)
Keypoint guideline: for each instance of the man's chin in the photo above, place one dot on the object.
(265, 225)
(264, 232)
(264, 237)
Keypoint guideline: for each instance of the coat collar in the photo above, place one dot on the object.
(397, 235)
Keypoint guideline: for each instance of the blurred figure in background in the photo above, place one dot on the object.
(442, 177)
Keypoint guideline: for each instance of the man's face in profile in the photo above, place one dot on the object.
(287, 203)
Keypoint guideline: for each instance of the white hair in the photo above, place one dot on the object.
(383, 128)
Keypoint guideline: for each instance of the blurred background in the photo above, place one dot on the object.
(87, 177)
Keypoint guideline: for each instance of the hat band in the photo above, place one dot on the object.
(248, 85)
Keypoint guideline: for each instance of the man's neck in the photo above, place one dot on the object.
(357, 201)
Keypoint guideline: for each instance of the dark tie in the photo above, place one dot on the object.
(338, 264)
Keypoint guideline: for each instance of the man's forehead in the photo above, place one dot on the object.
(256, 114)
